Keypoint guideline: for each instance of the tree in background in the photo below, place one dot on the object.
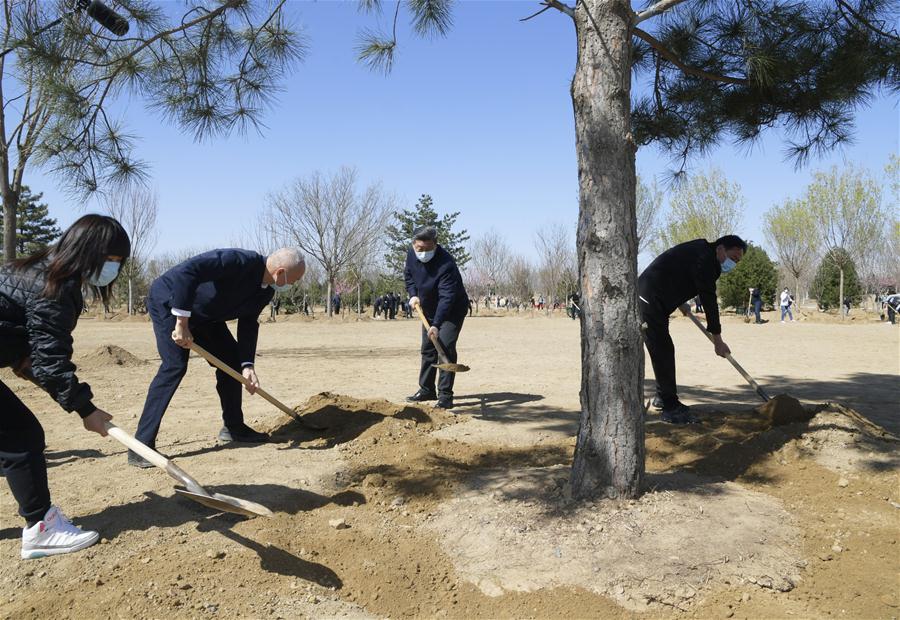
(399, 234)
(755, 270)
(705, 206)
(331, 221)
(648, 204)
(490, 259)
(555, 248)
(136, 209)
(210, 71)
(35, 229)
(851, 220)
(790, 229)
(521, 279)
(836, 280)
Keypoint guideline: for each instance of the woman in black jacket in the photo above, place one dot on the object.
(40, 300)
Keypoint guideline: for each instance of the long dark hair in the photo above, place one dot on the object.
(80, 252)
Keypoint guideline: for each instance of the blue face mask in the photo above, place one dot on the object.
(425, 256)
(728, 265)
(107, 274)
(281, 287)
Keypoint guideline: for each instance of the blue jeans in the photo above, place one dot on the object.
(786, 310)
(757, 306)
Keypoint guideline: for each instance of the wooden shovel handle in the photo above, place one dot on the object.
(228, 370)
(761, 392)
(168, 465)
(437, 345)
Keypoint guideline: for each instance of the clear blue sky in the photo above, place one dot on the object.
(481, 120)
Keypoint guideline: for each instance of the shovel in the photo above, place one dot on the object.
(231, 372)
(686, 310)
(193, 490)
(444, 364)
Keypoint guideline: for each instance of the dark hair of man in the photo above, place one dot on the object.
(425, 233)
(80, 252)
(731, 241)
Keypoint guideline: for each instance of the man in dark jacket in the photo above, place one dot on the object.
(677, 275)
(756, 300)
(377, 306)
(436, 289)
(191, 302)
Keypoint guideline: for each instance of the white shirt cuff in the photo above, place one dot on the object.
(245, 364)
(178, 312)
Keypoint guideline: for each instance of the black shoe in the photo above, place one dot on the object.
(421, 396)
(679, 414)
(242, 434)
(445, 402)
(136, 460)
(657, 403)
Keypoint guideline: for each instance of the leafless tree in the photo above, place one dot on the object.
(330, 220)
(555, 247)
(648, 204)
(490, 259)
(521, 278)
(136, 209)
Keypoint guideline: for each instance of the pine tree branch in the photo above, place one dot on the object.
(671, 57)
(660, 7)
(846, 5)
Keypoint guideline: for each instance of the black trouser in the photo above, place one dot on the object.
(662, 353)
(215, 338)
(22, 456)
(448, 334)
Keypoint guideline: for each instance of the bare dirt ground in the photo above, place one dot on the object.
(406, 511)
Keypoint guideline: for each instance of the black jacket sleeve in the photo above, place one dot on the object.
(248, 329)
(449, 282)
(705, 274)
(49, 323)
(407, 276)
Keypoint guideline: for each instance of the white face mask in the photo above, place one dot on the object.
(728, 265)
(281, 287)
(425, 256)
(107, 273)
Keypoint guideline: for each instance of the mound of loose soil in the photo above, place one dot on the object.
(784, 409)
(110, 355)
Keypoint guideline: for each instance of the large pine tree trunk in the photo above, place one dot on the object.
(609, 454)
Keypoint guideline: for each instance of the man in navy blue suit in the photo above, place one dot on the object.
(435, 288)
(191, 302)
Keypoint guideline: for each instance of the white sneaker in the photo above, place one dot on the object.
(54, 535)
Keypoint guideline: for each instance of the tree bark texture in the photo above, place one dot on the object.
(609, 453)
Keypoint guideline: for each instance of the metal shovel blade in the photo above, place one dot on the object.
(450, 367)
(227, 503)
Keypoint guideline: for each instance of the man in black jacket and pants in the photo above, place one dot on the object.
(688, 270)
(436, 289)
(192, 301)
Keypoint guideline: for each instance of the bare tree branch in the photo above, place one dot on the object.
(561, 7)
(660, 7)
